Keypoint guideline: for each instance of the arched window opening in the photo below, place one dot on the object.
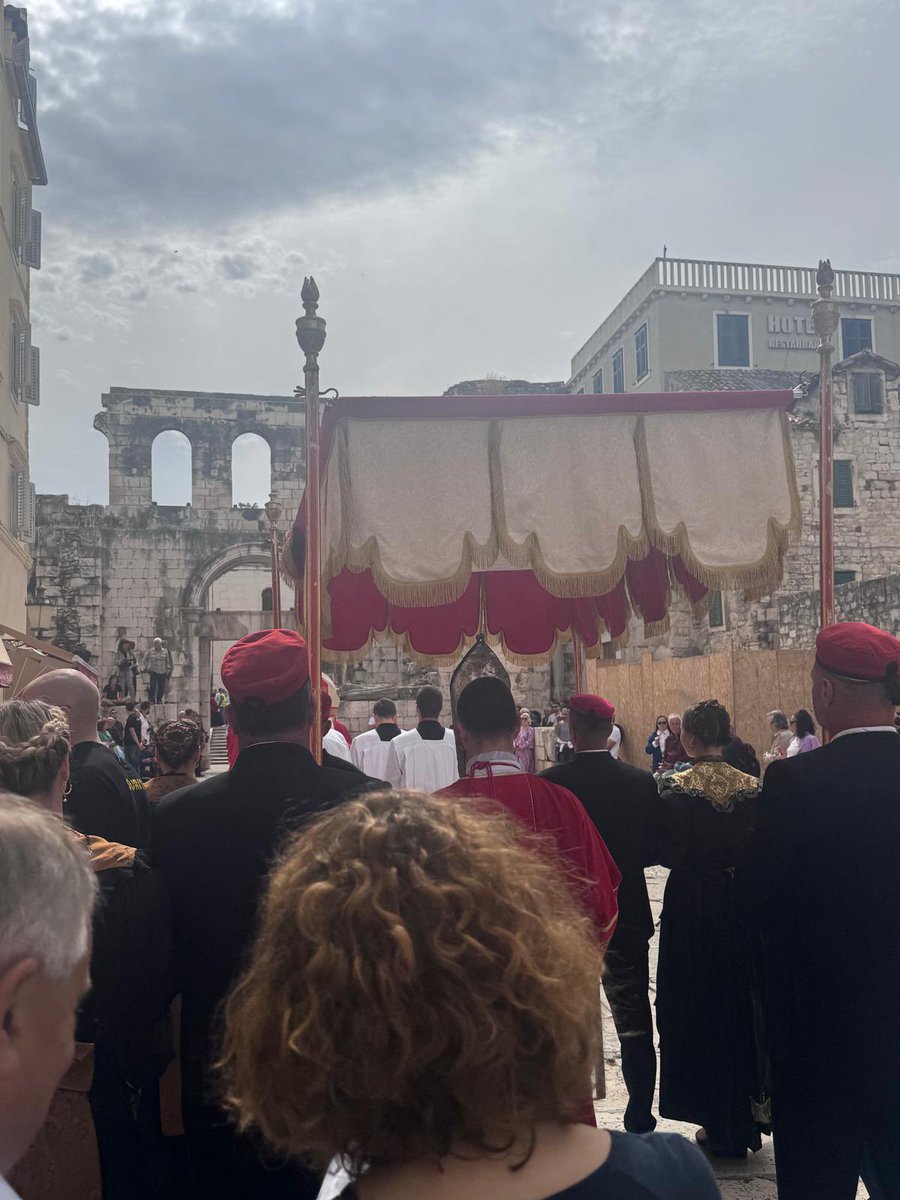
(267, 599)
(251, 470)
(170, 469)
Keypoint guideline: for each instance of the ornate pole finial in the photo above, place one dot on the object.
(310, 327)
(825, 277)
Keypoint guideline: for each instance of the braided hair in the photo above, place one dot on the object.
(708, 722)
(34, 744)
(177, 742)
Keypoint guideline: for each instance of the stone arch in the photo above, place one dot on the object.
(171, 468)
(251, 468)
(204, 576)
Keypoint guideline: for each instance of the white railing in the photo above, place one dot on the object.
(689, 274)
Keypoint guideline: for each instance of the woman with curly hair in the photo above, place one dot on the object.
(422, 1005)
(708, 1060)
(179, 745)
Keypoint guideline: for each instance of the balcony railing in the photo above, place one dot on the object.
(689, 274)
(738, 279)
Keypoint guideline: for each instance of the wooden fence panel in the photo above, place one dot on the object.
(750, 683)
(755, 694)
(794, 688)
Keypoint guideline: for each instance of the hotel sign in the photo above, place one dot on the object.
(791, 333)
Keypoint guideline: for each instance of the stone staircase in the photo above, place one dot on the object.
(218, 748)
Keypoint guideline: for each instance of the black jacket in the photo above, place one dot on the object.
(821, 880)
(214, 843)
(623, 804)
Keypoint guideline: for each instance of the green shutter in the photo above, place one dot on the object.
(843, 484)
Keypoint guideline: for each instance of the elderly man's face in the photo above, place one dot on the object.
(37, 1042)
(675, 724)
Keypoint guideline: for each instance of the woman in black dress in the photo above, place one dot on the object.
(705, 1011)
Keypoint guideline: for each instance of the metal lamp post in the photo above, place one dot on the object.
(38, 610)
(825, 321)
(273, 515)
(311, 338)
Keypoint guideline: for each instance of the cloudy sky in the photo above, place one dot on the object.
(474, 183)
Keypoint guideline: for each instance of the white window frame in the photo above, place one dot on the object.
(840, 329)
(645, 327)
(620, 354)
(724, 312)
(594, 391)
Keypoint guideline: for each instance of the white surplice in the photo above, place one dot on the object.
(370, 753)
(336, 744)
(425, 764)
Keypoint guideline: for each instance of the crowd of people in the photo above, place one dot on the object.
(378, 977)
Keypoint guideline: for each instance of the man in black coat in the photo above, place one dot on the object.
(821, 881)
(623, 803)
(215, 842)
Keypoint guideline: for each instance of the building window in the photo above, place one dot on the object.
(266, 600)
(619, 371)
(641, 353)
(844, 577)
(733, 339)
(867, 388)
(856, 335)
(716, 612)
(843, 483)
(597, 385)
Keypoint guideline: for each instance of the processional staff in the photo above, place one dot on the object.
(825, 321)
(311, 338)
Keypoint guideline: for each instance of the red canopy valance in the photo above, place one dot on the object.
(533, 517)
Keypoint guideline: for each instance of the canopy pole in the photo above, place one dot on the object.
(578, 651)
(311, 338)
(825, 321)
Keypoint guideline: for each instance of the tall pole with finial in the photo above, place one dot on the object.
(311, 337)
(825, 321)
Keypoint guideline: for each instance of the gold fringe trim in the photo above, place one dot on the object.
(758, 577)
(528, 555)
(755, 579)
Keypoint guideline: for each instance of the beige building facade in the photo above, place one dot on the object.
(749, 319)
(21, 169)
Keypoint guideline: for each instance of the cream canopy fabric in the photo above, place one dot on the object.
(572, 496)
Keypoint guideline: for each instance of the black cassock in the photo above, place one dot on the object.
(709, 1061)
(822, 882)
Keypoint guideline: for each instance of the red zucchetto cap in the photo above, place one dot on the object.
(592, 706)
(854, 650)
(267, 666)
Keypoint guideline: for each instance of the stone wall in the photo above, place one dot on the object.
(139, 569)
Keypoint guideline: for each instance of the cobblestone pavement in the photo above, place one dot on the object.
(738, 1180)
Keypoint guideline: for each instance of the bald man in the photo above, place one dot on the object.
(107, 799)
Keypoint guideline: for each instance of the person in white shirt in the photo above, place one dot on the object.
(424, 758)
(369, 751)
(332, 741)
(614, 745)
(45, 933)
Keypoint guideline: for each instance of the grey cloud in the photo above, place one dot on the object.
(220, 109)
(237, 266)
(94, 268)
